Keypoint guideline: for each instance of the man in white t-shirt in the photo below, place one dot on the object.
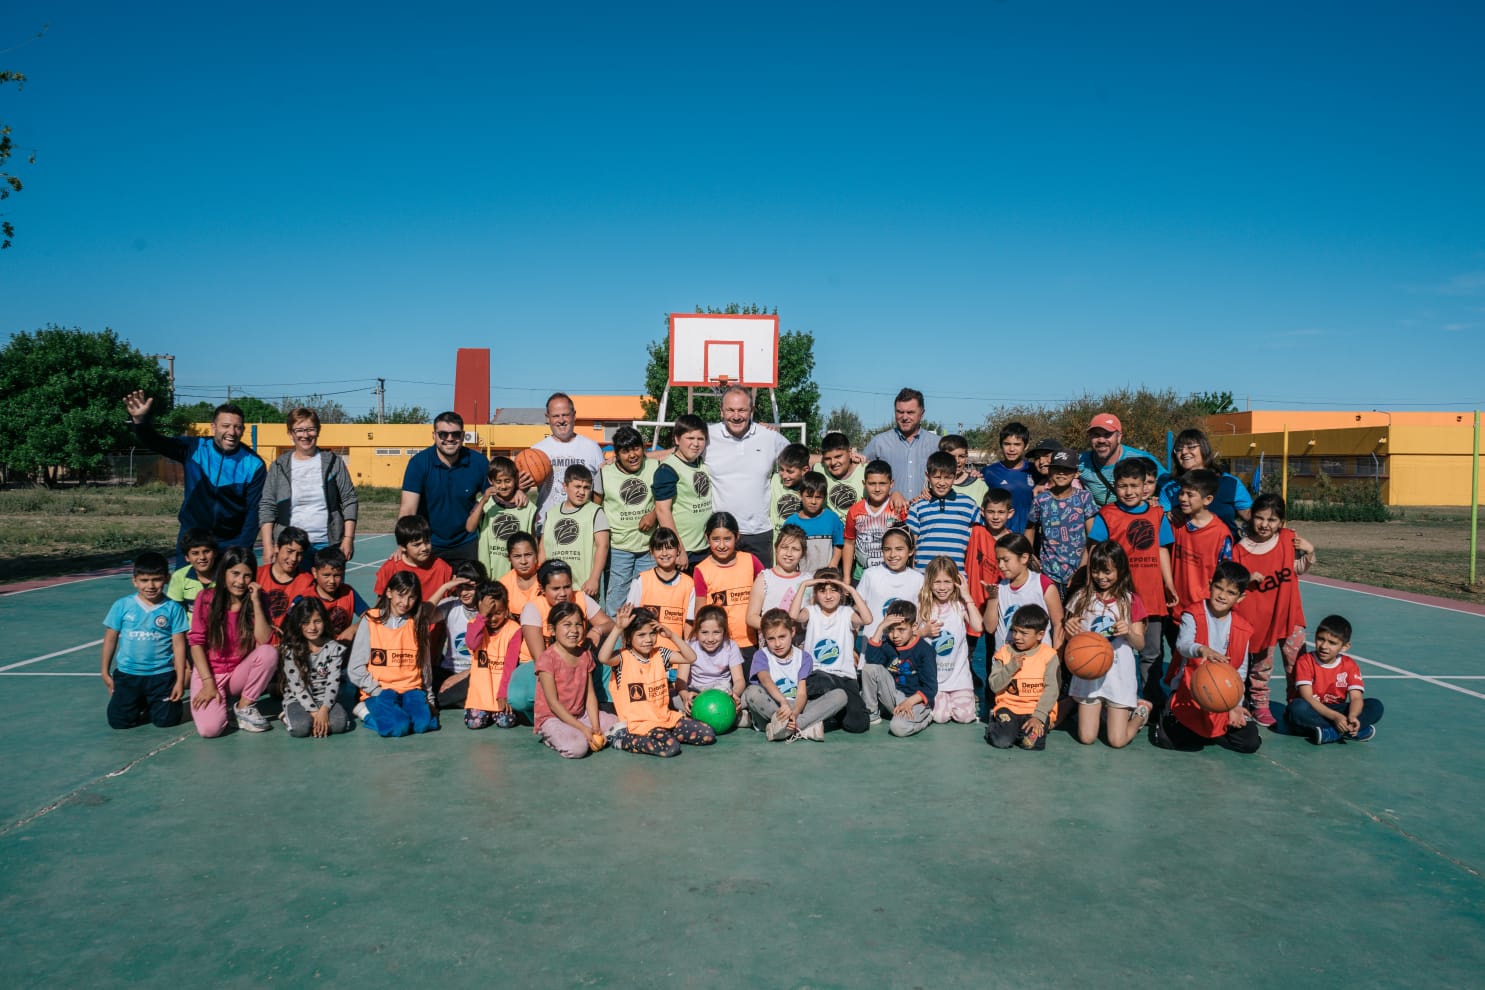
(565, 448)
(740, 455)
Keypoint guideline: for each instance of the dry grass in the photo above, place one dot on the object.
(45, 532)
(1424, 550)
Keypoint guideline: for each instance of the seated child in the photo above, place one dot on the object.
(831, 614)
(941, 521)
(415, 553)
(845, 483)
(232, 650)
(789, 470)
(201, 561)
(1210, 632)
(869, 519)
(312, 665)
(824, 533)
(648, 723)
(718, 665)
(1327, 698)
(497, 516)
(144, 650)
(778, 701)
(281, 579)
(566, 716)
(576, 531)
(630, 507)
(455, 613)
(343, 604)
(900, 676)
(494, 641)
(1024, 678)
(392, 660)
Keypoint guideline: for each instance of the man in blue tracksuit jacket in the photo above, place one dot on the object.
(224, 479)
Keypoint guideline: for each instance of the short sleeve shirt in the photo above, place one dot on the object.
(446, 494)
(145, 634)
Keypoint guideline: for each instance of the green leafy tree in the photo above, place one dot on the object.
(798, 395)
(61, 395)
(1215, 403)
(254, 410)
(9, 183)
(398, 414)
(328, 410)
(1145, 415)
(844, 420)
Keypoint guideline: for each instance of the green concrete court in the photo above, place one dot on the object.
(470, 858)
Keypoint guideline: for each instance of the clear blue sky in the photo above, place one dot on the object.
(990, 201)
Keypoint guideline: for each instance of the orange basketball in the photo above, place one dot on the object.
(1088, 655)
(1216, 687)
(535, 463)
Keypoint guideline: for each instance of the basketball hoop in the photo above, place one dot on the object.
(721, 386)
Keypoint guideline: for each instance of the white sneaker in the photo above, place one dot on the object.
(778, 728)
(249, 719)
(744, 719)
(360, 711)
(814, 733)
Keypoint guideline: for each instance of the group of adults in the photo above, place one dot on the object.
(233, 494)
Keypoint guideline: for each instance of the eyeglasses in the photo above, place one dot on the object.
(1189, 446)
(305, 433)
(449, 434)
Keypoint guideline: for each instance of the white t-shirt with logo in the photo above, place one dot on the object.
(831, 641)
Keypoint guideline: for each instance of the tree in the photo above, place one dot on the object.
(844, 420)
(328, 410)
(398, 414)
(798, 395)
(1215, 403)
(1145, 415)
(9, 183)
(61, 394)
(254, 410)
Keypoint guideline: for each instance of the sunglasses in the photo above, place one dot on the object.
(449, 434)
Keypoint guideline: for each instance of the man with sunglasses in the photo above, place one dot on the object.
(442, 484)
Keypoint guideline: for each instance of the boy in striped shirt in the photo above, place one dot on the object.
(941, 520)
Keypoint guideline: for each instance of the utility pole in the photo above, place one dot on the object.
(381, 400)
(229, 393)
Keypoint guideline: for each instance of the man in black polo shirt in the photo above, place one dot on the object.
(442, 484)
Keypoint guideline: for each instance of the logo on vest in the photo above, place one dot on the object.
(826, 652)
(566, 532)
(1141, 534)
(634, 492)
(789, 503)
(504, 527)
(340, 619)
(636, 692)
(701, 483)
(378, 658)
(944, 644)
(841, 497)
(1274, 582)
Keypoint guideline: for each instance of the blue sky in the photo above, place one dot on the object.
(993, 202)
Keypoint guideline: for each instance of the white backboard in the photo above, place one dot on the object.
(704, 348)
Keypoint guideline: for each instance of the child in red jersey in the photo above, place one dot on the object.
(1201, 542)
(1211, 632)
(280, 578)
(1275, 556)
(1145, 535)
(415, 553)
(1327, 699)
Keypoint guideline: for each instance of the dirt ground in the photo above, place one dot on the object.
(69, 530)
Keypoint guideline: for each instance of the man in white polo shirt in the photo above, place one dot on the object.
(740, 455)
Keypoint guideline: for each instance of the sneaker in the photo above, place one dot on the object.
(778, 728)
(814, 733)
(744, 719)
(1264, 717)
(873, 720)
(249, 719)
(506, 720)
(616, 730)
(1141, 711)
(1365, 734)
(360, 711)
(1324, 734)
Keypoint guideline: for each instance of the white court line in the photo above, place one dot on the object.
(45, 673)
(63, 584)
(1400, 601)
(1421, 677)
(48, 656)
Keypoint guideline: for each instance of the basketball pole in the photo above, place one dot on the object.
(1284, 469)
(1475, 500)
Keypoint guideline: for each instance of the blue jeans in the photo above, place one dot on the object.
(391, 714)
(1302, 717)
(623, 567)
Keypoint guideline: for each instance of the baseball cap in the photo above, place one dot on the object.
(1064, 458)
(1046, 445)
(1106, 421)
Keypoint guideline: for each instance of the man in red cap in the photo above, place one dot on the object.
(1107, 448)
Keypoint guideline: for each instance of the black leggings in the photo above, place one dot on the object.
(666, 742)
(1171, 734)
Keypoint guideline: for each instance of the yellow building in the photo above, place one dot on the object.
(1420, 458)
(377, 454)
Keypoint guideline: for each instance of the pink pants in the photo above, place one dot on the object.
(957, 705)
(569, 742)
(248, 679)
(1261, 666)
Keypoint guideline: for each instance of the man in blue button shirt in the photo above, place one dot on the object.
(442, 484)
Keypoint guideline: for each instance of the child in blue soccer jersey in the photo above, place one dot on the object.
(144, 650)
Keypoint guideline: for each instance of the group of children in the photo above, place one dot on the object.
(872, 610)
